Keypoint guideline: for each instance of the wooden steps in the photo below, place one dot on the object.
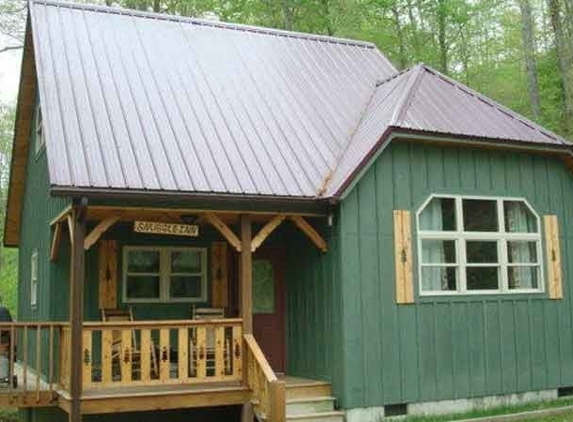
(310, 401)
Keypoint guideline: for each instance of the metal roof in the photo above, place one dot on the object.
(148, 102)
(422, 99)
(145, 101)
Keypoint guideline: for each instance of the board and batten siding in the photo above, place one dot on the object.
(313, 308)
(448, 347)
(38, 209)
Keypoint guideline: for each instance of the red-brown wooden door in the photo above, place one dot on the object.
(269, 306)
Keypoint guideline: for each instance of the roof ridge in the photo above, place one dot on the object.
(404, 101)
(503, 109)
(392, 77)
(205, 22)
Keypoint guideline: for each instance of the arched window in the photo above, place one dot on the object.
(469, 244)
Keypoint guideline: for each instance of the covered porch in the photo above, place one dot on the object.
(197, 337)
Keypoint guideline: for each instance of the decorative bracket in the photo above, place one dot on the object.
(225, 230)
(310, 232)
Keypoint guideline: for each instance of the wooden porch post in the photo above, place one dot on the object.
(246, 285)
(77, 277)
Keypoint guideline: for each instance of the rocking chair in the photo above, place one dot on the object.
(123, 315)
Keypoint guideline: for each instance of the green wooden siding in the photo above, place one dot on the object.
(38, 209)
(447, 347)
(313, 308)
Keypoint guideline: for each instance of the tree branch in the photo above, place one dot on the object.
(10, 47)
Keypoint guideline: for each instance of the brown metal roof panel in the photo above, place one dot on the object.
(176, 104)
(95, 120)
(107, 107)
(123, 89)
(48, 91)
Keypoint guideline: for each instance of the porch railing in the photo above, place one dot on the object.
(269, 392)
(29, 371)
(119, 354)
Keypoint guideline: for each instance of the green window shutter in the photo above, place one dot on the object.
(403, 257)
(554, 277)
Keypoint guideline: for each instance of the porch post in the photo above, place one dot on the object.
(77, 277)
(246, 286)
(246, 275)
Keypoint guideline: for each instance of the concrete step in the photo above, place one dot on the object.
(306, 405)
(317, 417)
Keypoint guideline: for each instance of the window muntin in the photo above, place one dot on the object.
(474, 245)
(34, 279)
(164, 274)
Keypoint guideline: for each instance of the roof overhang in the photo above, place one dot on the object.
(393, 134)
(20, 146)
(196, 200)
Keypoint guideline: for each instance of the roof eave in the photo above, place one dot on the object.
(399, 133)
(243, 202)
(20, 143)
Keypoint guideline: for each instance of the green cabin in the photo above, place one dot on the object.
(222, 222)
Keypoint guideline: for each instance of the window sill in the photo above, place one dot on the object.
(160, 302)
(481, 296)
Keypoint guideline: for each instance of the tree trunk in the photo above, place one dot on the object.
(157, 6)
(563, 56)
(400, 34)
(415, 35)
(529, 52)
(287, 14)
(442, 42)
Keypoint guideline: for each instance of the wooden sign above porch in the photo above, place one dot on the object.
(190, 230)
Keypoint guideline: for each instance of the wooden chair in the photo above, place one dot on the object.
(123, 315)
(207, 314)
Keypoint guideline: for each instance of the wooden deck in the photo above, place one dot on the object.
(29, 391)
(162, 397)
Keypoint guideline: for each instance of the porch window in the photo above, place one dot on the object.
(478, 245)
(164, 274)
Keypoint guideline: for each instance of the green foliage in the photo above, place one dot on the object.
(8, 257)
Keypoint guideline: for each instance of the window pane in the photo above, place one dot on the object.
(185, 286)
(438, 251)
(519, 218)
(439, 279)
(523, 277)
(521, 252)
(141, 261)
(439, 215)
(480, 215)
(263, 287)
(482, 278)
(186, 262)
(480, 252)
(142, 287)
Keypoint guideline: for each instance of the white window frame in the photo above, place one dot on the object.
(460, 237)
(34, 279)
(165, 274)
(39, 129)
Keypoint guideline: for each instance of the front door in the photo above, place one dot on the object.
(269, 306)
